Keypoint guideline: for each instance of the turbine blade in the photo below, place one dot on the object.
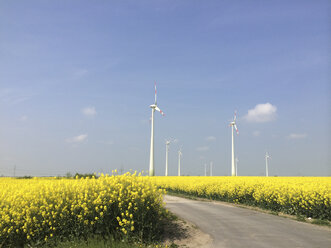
(235, 115)
(235, 126)
(155, 91)
(157, 109)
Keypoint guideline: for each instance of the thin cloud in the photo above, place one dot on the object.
(109, 143)
(256, 133)
(24, 118)
(77, 139)
(202, 148)
(210, 138)
(263, 112)
(297, 136)
(89, 111)
(12, 96)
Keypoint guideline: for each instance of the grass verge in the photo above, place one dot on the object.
(94, 242)
(169, 229)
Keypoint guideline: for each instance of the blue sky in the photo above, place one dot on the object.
(77, 79)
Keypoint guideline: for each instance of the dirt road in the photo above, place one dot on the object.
(231, 226)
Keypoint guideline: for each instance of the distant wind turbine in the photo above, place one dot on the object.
(167, 151)
(266, 164)
(180, 154)
(151, 157)
(205, 170)
(211, 168)
(233, 124)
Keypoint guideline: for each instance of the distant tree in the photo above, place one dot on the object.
(86, 175)
(24, 177)
(68, 175)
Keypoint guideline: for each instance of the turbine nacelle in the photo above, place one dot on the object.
(180, 152)
(154, 106)
(235, 126)
(233, 123)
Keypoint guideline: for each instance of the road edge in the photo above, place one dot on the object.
(299, 219)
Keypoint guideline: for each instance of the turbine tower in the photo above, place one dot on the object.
(211, 168)
(205, 170)
(151, 157)
(233, 125)
(266, 164)
(167, 151)
(179, 157)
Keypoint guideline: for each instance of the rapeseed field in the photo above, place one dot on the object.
(41, 210)
(307, 196)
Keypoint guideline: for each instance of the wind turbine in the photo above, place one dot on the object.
(211, 168)
(180, 154)
(151, 157)
(266, 164)
(167, 151)
(233, 124)
(237, 160)
(205, 170)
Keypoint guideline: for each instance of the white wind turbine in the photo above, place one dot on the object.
(211, 168)
(167, 142)
(266, 164)
(151, 157)
(233, 125)
(180, 154)
(205, 170)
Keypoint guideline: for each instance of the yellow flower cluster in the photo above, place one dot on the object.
(39, 209)
(309, 196)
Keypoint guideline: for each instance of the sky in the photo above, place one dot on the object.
(77, 79)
